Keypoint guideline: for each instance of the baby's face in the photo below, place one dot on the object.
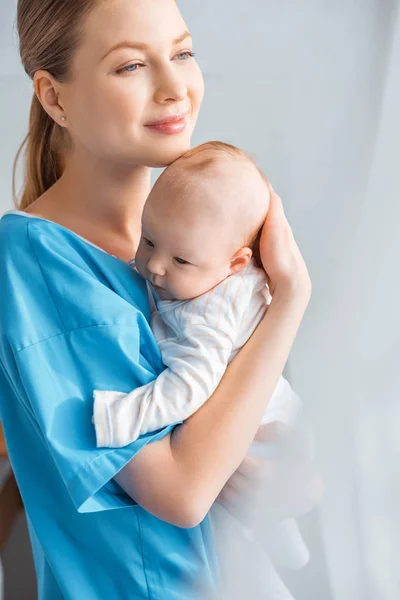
(180, 251)
(195, 227)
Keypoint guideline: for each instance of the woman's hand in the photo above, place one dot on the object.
(242, 494)
(272, 489)
(279, 253)
(261, 491)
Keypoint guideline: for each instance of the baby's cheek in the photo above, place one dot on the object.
(190, 287)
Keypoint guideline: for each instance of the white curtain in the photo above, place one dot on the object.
(369, 306)
(354, 323)
(312, 89)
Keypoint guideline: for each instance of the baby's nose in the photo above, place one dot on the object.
(156, 267)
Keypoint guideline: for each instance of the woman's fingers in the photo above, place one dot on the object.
(279, 253)
(256, 470)
(240, 499)
(271, 432)
(276, 211)
(242, 493)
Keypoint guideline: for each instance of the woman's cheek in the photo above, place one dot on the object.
(140, 260)
(196, 88)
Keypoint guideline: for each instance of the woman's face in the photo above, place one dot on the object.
(135, 90)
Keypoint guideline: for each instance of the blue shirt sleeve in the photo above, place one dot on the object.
(74, 319)
(57, 378)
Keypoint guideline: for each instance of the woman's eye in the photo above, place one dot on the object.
(181, 261)
(148, 243)
(130, 68)
(185, 55)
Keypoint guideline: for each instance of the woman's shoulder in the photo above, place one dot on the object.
(11, 227)
(26, 240)
(44, 238)
(54, 281)
(27, 231)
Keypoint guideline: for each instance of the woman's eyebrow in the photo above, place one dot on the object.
(181, 38)
(140, 46)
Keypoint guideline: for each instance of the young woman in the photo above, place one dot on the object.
(116, 92)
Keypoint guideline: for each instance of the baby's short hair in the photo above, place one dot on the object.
(198, 160)
(217, 148)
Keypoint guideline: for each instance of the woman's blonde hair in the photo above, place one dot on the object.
(49, 34)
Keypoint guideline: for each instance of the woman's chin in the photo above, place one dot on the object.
(164, 152)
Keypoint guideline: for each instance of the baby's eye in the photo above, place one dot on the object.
(148, 243)
(181, 261)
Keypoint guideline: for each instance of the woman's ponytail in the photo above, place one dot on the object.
(42, 158)
(49, 35)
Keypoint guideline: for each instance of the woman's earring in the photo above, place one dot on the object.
(63, 119)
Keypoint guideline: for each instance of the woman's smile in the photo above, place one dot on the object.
(169, 125)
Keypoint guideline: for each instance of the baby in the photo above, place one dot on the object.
(200, 230)
(200, 224)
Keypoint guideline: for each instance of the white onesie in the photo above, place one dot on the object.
(197, 339)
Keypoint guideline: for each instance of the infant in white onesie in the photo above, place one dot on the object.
(198, 338)
(200, 229)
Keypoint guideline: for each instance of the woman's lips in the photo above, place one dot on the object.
(169, 125)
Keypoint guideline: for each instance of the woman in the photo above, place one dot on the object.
(117, 91)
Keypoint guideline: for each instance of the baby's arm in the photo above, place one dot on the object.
(195, 363)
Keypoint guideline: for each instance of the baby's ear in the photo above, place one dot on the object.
(240, 260)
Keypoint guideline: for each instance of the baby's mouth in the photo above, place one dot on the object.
(162, 293)
(158, 288)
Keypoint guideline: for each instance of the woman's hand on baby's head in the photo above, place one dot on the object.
(280, 255)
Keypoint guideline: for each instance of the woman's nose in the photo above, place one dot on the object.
(156, 267)
(171, 86)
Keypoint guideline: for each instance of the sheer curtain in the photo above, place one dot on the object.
(373, 354)
(312, 88)
(354, 321)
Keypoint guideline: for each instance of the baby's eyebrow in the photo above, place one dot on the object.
(187, 251)
(145, 233)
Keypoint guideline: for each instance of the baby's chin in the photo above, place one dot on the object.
(164, 294)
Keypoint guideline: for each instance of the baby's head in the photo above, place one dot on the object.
(201, 220)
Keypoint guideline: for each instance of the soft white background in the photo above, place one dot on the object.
(312, 89)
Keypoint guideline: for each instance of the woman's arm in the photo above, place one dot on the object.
(195, 361)
(179, 477)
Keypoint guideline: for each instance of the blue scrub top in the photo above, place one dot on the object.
(73, 319)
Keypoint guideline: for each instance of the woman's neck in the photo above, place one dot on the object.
(101, 202)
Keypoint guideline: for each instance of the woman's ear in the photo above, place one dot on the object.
(240, 260)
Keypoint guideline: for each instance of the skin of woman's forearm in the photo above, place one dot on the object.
(212, 443)
(178, 478)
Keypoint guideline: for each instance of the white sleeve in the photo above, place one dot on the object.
(195, 364)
